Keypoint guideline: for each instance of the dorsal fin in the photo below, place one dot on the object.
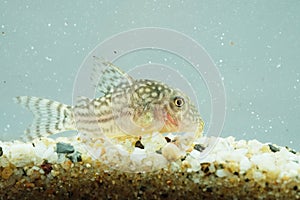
(106, 76)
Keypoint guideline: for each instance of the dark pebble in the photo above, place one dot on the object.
(47, 167)
(158, 151)
(64, 148)
(199, 147)
(168, 139)
(273, 148)
(164, 195)
(143, 188)
(75, 157)
(1, 151)
(205, 167)
(139, 144)
(182, 159)
(291, 150)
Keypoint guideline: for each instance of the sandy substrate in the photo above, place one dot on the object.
(62, 169)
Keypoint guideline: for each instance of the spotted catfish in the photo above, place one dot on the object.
(128, 107)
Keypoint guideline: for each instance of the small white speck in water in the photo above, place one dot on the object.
(48, 58)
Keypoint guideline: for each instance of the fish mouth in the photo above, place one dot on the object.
(171, 124)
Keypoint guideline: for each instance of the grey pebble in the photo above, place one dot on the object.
(199, 147)
(64, 148)
(75, 157)
(273, 148)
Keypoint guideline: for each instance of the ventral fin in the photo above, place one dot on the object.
(106, 76)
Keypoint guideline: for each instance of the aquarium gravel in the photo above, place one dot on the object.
(234, 169)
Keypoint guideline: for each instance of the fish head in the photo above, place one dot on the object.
(181, 114)
(161, 108)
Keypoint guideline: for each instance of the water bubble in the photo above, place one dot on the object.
(48, 58)
(278, 65)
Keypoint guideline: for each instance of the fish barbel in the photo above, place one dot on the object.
(128, 107)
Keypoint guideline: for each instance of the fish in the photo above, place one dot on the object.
(128, 107)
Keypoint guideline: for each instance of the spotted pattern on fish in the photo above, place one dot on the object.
(135, 103)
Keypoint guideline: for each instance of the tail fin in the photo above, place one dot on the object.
(50, 117)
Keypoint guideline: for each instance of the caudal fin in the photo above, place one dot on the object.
(50, 117)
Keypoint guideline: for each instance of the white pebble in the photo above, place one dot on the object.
(171, 152)
(222, 173)
(245, 164)
(264, 161)
(21, 154)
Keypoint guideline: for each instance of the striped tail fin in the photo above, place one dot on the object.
(50, 117)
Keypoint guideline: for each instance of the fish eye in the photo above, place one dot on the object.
(179, 101)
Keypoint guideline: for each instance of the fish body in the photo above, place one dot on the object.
(128, 107)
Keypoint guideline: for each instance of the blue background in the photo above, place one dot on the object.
(255, 45)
